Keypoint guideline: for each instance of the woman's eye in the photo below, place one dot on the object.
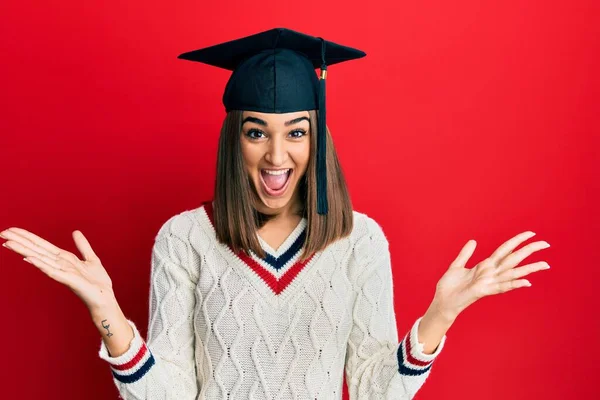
(300, 133)
(252, 131)
(255, 133)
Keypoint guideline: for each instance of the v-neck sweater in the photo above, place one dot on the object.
(233, 326)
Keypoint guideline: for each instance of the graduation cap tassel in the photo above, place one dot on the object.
(322, 206)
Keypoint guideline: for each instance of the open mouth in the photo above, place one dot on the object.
(275, 182)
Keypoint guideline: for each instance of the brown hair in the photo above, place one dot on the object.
(236, 219)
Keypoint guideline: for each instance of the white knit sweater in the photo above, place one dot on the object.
(225, 327)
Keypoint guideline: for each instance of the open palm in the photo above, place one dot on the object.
(87, 278)
(460, 287)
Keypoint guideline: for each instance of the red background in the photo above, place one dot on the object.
(466, 120)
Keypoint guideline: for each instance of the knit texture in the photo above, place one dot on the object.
(223, 326)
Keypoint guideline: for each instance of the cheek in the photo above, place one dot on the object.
(251, 156)
(302, 155)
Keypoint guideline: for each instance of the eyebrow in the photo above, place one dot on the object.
(264, 123)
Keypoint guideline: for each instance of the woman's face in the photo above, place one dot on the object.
(276, 149)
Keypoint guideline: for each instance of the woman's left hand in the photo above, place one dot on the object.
(460, 287)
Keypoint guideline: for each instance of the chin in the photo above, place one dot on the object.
(274, 204)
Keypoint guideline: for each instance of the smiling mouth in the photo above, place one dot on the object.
(275, 182)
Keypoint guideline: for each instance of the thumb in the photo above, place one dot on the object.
(465, 253)
(84, 246)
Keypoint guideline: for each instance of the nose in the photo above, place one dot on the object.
(277, 152)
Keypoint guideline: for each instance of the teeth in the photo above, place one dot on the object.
(280, 172)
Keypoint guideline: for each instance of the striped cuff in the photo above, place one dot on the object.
(134, 363)
(411, 358)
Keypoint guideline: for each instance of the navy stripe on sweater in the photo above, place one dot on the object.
(136, 375)
(278, 263)
(405, 370)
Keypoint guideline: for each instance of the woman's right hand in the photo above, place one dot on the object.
(87, 278)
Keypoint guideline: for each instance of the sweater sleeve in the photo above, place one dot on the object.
(163, 367)
(377, 366)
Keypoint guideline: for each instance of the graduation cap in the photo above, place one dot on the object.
(274, 72)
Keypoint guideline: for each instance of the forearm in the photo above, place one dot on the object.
(114, 328)
(433, 327)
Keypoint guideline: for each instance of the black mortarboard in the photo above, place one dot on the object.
(274, 72)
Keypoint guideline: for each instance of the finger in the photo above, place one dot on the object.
(515, 258)
(516, 273)
(65, 259)
(463, 256)
(51, 261)
(34, 241)
(25, 249)
(54, 273)
(37, 243)
(511, 285)
(84, 246)
(62, 264)
(507, 247)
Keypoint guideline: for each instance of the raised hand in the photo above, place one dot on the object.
(87, 278)
(460, 287)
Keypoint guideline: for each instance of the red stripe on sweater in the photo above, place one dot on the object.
(277, 286)
(410, 357)
(140, 354)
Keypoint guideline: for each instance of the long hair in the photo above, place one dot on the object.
(237, 220)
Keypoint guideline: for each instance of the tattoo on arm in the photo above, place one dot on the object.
(106, 327)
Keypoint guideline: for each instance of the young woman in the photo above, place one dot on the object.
(276, 287)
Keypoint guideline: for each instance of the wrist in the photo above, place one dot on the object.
(108, 307)
(443, 315)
